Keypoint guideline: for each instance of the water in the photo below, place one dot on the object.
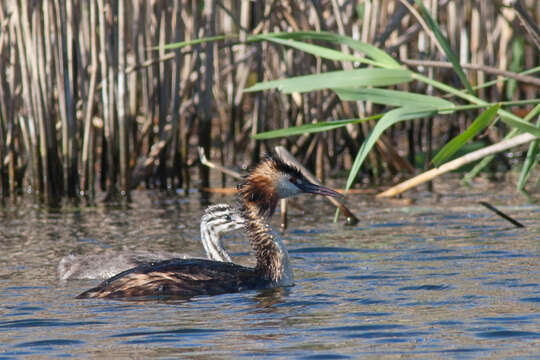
(435, 279)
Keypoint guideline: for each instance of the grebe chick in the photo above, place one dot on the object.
(216, 220)
(258, 195)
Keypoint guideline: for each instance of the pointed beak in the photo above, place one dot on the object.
(317, 189)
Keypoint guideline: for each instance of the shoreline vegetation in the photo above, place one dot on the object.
(120, 94)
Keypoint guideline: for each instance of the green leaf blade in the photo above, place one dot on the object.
(336, 79)
(392, 97)
(310, 128)
(390, 118)
(376, 54)
(517, 122)
(445, 46)
(181, 44)
(478, 125)
(533, 154)
(316, 50)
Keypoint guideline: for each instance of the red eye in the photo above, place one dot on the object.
(293, 180)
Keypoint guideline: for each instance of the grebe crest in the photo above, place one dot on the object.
(272, 179)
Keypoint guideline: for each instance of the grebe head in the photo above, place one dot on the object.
(273, 179)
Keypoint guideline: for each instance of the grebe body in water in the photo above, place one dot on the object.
(216, 220)
(258, 195)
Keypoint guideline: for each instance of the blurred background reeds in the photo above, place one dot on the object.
(90, 99)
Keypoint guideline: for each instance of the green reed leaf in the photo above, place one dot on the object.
(533, 156)
(336, 79)
(392, 97)
(478, 125)
(181, 44)
(374, 53)
(445, 45)
(311, 128)
(390, 118)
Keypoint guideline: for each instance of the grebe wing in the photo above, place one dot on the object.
(178, 277)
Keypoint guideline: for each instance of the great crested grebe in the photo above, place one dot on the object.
(216, 220)
(258, 195)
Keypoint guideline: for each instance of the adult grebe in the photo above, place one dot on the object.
(216, 220)
(258, 195)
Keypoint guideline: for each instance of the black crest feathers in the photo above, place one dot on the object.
(258, 187)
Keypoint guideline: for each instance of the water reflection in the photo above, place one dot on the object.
(266, 299)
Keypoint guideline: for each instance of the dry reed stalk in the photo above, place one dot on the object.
(457, 163)
(87, 149)
(64, 83)
(5, 113)
(40, 186)
(73, 52)
(106, 142)
(68, 66)
(123, 119)
(9, 160)
(205, 82)
(160, 86)
(176, 141)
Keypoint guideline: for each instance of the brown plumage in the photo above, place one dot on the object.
(258, 194)
(178, 277)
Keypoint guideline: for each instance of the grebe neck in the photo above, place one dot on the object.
(216, 220)
(272, 256)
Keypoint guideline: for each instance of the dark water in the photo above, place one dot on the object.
(443, 278)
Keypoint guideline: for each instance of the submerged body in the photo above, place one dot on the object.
(258, 196)
(216, 220)
(107, 264)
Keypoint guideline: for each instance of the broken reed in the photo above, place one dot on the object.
(84, 99)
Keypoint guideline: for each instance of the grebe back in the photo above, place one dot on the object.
(216, 220)
(258, 195)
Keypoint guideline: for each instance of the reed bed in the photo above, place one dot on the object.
(90, 98)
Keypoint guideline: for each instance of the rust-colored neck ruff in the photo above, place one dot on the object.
(259, 190)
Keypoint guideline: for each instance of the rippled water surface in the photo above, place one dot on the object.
(438, 278)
